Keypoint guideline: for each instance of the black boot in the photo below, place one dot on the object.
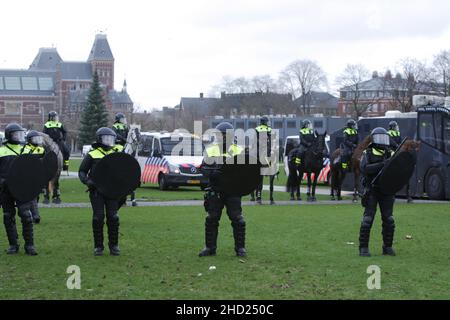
(97, 228)
(28, 236)
(239, 236)
(364, 252)
(113, 235)
(98, 252)
(114, 250)
(388, 251)
(211, 232)
(31, 251)
(11, 233)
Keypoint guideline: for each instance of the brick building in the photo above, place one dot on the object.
(382, 93)
(50, 83)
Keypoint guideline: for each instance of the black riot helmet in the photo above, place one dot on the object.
(106, 137)
(34, 138)
(393, 125)
(351, 124)
(380, 138)
(52, 116)
(264, 120)
(14, 133)
(224, 126)
(119, 116)
(306, 124)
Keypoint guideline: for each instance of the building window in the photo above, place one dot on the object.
(278, 124)
(46, 84)
(29, 83)
(13, 108)
(12, 83)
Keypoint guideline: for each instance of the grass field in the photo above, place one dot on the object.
(295, 252)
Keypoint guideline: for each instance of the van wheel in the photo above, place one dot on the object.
(435, 185)
(162, 182)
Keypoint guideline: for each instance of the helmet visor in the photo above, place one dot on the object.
(381, 139)
(38, 140)
(123, 120)
(108, 140)
(18, 136)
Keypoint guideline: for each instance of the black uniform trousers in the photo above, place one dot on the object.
(9, 219)
(215, 205)
(386, 203)
(102, 206)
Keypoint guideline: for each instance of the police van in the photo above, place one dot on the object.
(293, 142)
(171, 159)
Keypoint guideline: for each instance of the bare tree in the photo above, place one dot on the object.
(303, 76)
(441, 65)
(411, 80)
(350, 81)
(264, 83)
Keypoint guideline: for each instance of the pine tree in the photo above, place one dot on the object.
(94, 116)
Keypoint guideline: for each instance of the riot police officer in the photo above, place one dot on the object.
(34, 146)
(394, 133)
(263, 132)
(351, 141)
(12, 147)
(105, 144)
(58, 133)
(306, 138)
(216, 200)
(121, 129)
(372, 162)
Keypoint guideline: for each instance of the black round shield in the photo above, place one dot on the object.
(397, 173)
(240, 178)
(50, 162)
(116, 175)
(26, 178)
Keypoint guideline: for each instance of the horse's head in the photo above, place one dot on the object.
(411, 145)
(319, 143)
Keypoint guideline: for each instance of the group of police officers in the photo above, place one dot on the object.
(108, 141)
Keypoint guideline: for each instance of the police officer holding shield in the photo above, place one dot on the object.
(374, 159)
(101, 205)
(11, 149)
(216, 199)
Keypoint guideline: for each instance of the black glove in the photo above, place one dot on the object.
(90, 184)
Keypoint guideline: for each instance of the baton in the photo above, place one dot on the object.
(383, 169)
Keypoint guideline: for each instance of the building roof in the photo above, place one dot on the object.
(46, 59)
(19, 82)
(200, 104)
(100, 49)
(120, 97)
(319, 99)
(78, 96)
(383, 84)
(76, 71)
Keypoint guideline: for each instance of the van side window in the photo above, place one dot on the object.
(447, 135)
(426, 132)
(156, 148)
(438, 131)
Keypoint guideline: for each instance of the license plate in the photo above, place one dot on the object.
(193, 181)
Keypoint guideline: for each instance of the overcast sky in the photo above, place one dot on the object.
(169, 49)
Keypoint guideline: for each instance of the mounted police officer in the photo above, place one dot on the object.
(215, 199)
(294, 162)
(58, 133)
(394, 133)
(351, 141)
(306, 138)
(373, 160)
(34, 147)
(12, 148)
(263, 135)
(105, 144)
(121, 129)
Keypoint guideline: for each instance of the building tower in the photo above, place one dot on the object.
(102, 61)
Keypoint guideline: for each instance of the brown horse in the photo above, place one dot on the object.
(338, 176)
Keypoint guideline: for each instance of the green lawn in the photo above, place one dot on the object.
(294, 253)
(72, 190)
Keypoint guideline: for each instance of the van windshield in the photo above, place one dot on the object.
(182, 146)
